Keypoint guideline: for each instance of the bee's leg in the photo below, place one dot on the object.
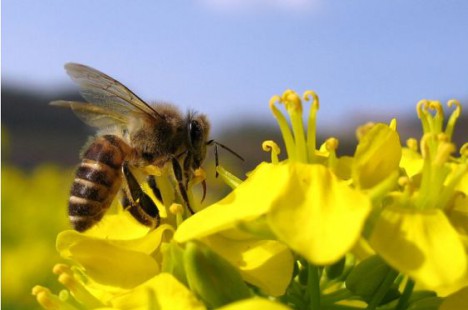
(154, 187)
(187, 168)
(180, 181)
(124, 200)
(141, 206)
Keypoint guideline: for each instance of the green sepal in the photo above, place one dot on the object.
(366, 278)
(429, 303)
(211, 277)
(173, 261)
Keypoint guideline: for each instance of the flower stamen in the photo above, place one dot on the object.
(453, 117)
(48, 300)
(284, 127)
(230, 179)
(412, 144)
(76, 288)
(312, 123)
(271, 146)
(293, 105)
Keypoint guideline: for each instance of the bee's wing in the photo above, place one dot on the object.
(93, 115)
(101, 90)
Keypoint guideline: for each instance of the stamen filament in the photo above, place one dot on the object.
(271, 146)
(331, 145)
(312, 124)
(50, 301)
(228, 178)
(453, 117)
(78, 291)
(438, 118)
(284, 127)
(293, 105)
(421, 109)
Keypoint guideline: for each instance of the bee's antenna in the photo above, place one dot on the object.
(216, 144)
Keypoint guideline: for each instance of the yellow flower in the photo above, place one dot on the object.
(377, 156)
(254, 304)
(416, 229)
(137, 261)
(255, 258)
(162, 291)
(300, 202)
(313, 230)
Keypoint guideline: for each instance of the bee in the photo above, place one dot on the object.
(131, 135)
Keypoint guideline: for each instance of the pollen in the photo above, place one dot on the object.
(176, 208)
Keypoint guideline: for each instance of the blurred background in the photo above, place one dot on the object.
(367, 60)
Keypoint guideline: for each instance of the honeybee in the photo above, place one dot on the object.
(131, 134)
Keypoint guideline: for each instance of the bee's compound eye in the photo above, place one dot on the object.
(195, 132)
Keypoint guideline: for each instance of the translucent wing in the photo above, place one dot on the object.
(93, 115)
(106, 93)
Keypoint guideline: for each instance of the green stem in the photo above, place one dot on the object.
(403, 302)
(313, 285)
(339, 307)
(336, 296)
(382, 290)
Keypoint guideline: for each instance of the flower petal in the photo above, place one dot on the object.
(129, 228)
(160, 292)
(411, 161)
(255, 304)
(267, 264)
(422, 244)
(458, 216)
(248, 201)
(105, 262)
(377, 156)
(319, 216)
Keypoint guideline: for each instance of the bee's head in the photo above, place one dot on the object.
(198, 130)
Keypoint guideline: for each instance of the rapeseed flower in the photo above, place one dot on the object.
(309, 229)
(303, 190)
(421, 227)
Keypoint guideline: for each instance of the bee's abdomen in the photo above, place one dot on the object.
(97, 180)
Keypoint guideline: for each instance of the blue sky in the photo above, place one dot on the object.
(227, 58)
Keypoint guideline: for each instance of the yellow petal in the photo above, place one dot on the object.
(128, 227)
(422, 244)
(267, 264)
(458, 216)
(105, 262)
(254, 304)
(377, 156)
(160, 292)
(248, 201)
(319, 216)
(411, 161)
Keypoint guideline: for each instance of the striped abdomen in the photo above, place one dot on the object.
(97, 181)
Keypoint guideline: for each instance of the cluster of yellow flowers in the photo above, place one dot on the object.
(387, 227)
